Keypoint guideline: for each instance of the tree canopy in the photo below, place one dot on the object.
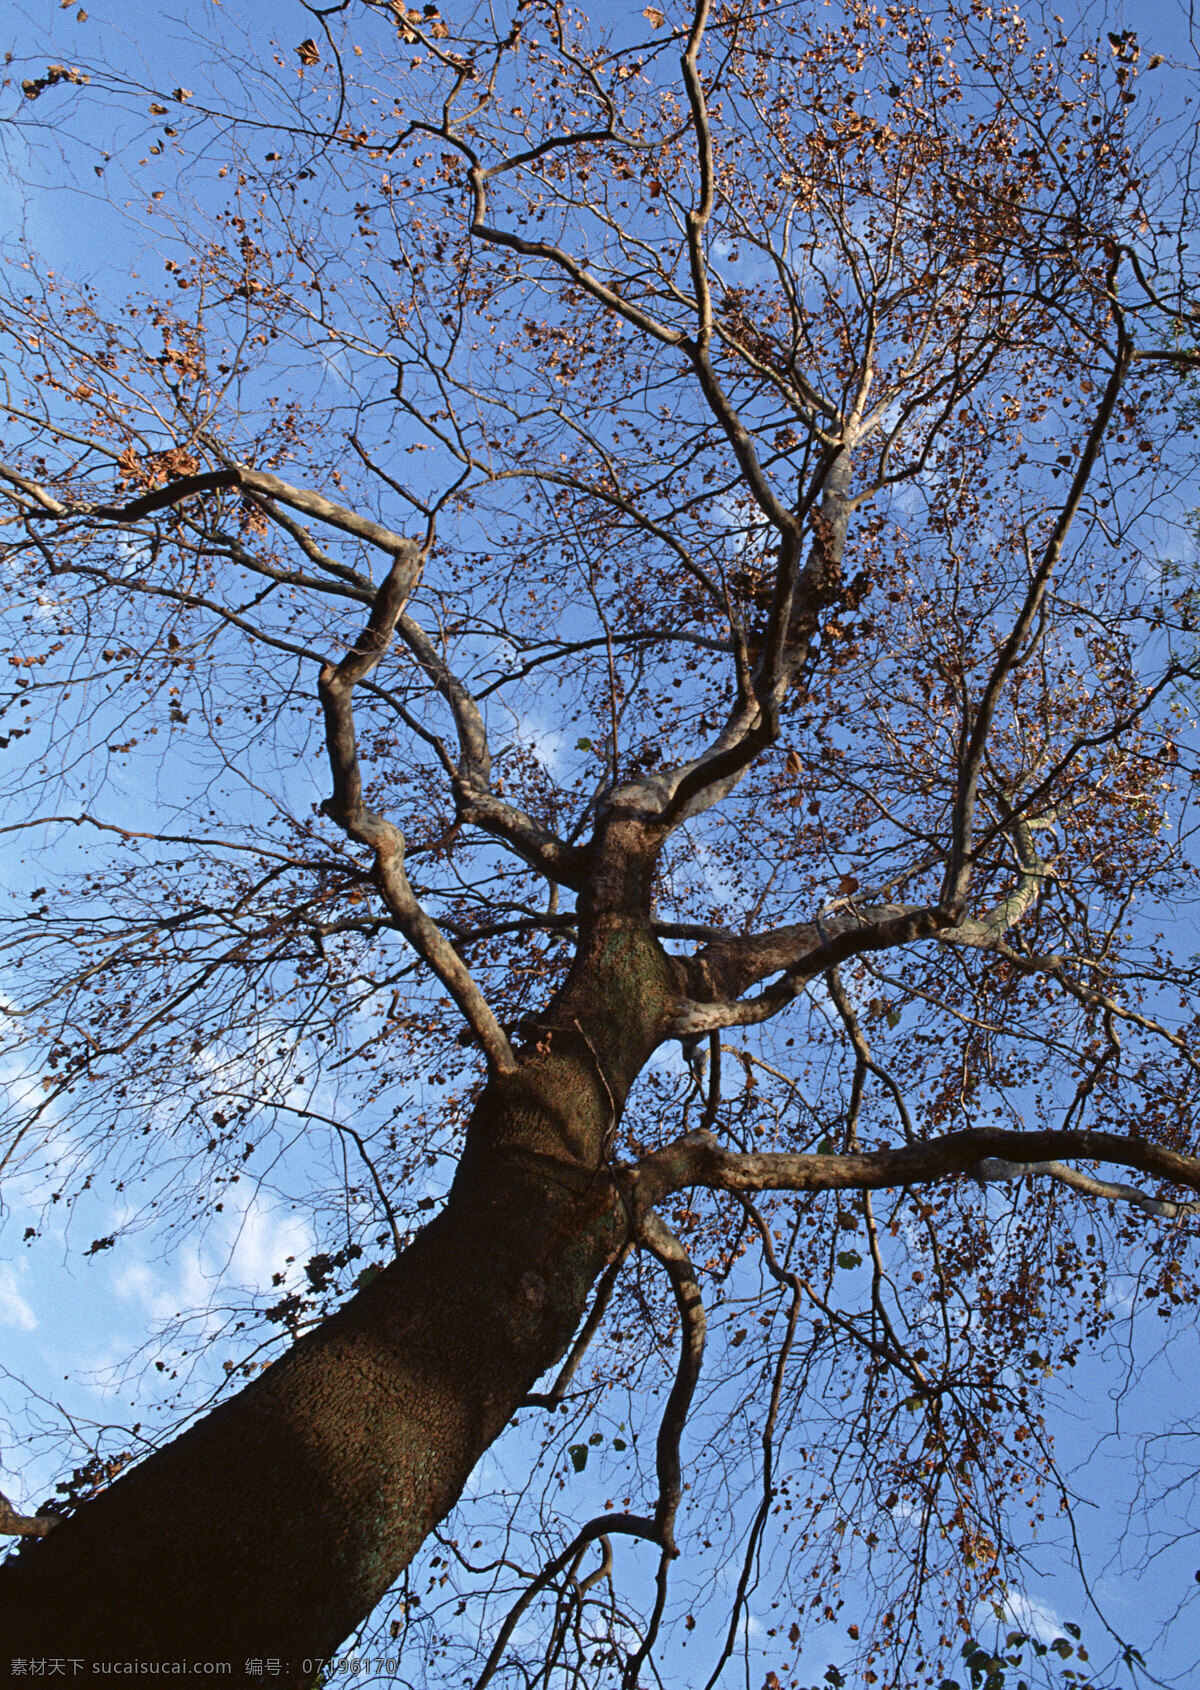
(601, 711)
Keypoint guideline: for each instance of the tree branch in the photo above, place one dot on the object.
(666, 1248)
(266, 486)
(663, 1244)
(383, 837)
(699, 1158)
(781, 1277)
(13, 1524)
(628, 1525)
(538, 845)
(961, 860)
(994, 1168)
(716, 976)
(801, 951)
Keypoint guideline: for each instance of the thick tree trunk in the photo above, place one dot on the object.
(273, 1526)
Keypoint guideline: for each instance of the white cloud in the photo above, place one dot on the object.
(262, 1238)
(135, 1282)
(1026, 1613)
(14, 1310)
(251, 1244)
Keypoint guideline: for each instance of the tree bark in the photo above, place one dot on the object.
(274, 1525)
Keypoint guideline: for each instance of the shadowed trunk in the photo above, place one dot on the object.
(274, 1525)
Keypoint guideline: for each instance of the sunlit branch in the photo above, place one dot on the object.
(45, 502)
(251, 481)
(540, 847)
(994, 1168)
(798, 953)
(354, 583)
(13, 1524)
(700, 1159)
(383, 837)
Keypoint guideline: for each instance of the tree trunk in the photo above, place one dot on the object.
(274, 1525)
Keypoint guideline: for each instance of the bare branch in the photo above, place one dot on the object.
(628, 1525)
(781, 1277)
(267, 486)
(662, 1242)
(961, 861)
(700, 1159)
(13, 1524)
(805, 949)
(802, 952)
(346, 807)
(993, 1168)
(862, 1049)
(539, 846)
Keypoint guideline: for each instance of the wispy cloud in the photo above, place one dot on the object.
(14, 1310)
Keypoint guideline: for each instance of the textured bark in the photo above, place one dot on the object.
(273, 1526)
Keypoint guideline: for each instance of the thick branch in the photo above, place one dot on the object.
(662, 1242)
(728, 966)
(13, 1524)
(383, 837)
(266, 486)
(993, 1168)
(716, 976)
(538, 845)
(699, 1159)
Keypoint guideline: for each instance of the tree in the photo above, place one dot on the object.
(701, 485)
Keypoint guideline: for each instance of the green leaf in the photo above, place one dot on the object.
(825, 1148)
(849, 1259)
(619, 1443)
(893, 1017)
(370, 1272)
(583, 745)
(579, 1455)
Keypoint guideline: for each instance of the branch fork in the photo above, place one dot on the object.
(345, 806)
